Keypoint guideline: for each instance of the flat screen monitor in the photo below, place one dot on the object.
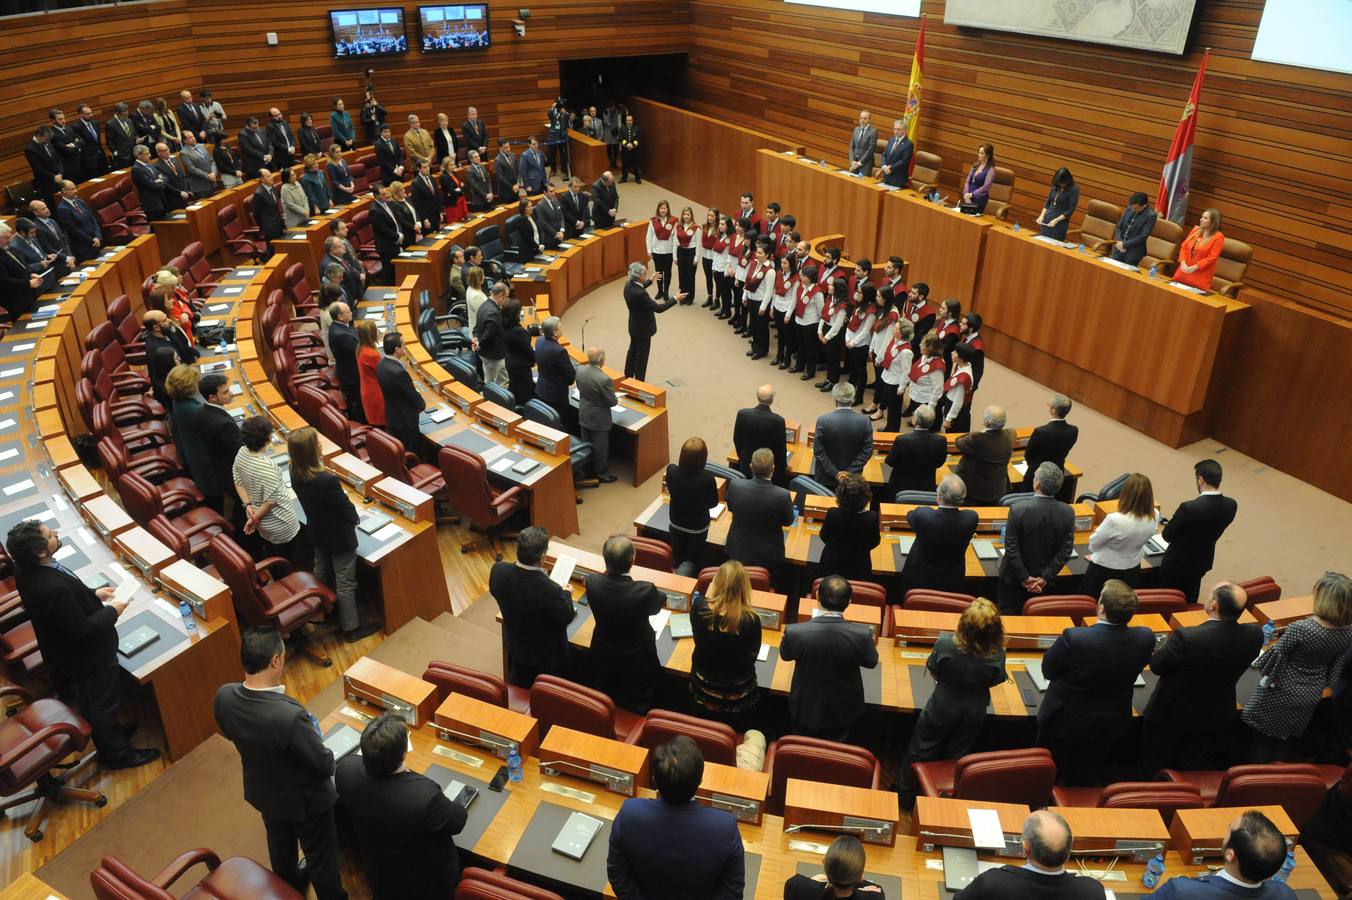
(368, 32)
(460, 27)
(1313, 34)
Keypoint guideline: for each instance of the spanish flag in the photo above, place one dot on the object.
(912, 117)
(1172, 202)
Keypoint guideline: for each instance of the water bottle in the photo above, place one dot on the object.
(514, 766)
(221, 347)
(1268, 631)
(1288, 864)
(1153, 270)
(389, 315)
(185, 611)
(1016, 227)
(1154, 871)
(795, 515)
(1081, 250)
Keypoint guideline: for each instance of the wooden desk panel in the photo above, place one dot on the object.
(941, 246)
(587, 155)
(823, 200)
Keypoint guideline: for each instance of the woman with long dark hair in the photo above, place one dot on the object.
(1060, 206)
(708, 238)
(976, 190)
(786, 300)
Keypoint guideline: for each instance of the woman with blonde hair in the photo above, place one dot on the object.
(170, 131)
(965, 666)
(368, 360)
(1199, 251)
(177, 304)
(1117, 545)
(727, 635)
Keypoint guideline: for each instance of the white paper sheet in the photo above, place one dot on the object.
(986, 830)
(562, 573)
(659, 620)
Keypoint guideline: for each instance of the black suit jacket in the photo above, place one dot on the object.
(52, 238)
(426, 201)
(605, 197)
(266, 214)
(405, 828)
(287, 768)
(81, 225)
(191, 118)
(253, 146)
(1015, 881)
(343, 346)
(386, 229)
(554, 371)
(475, 134)
(177, 178)
(1051, 442)
(623, 640)
(76, 632)
(549, 220)
(1092, 670)
(827, 691)
(843, 443)
(330, 517)
(1198, 668)
(505, 175)
(1193, 531)
(913, 459)
(759, 426)
(479, 185)
(1133, 230)
(390, 156)
(92, 160)
(280, 137)
(535, 617)
(351, 277)
(47, 166)
(576, 208)
(1039, 536)
(402, 400)
(897, 154)
(642, 309)
(152, 186)
(984, 466)
(760, 511)
(938, 557)
(218, 432)
(121, 137)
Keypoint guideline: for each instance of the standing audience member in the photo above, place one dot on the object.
(984, 466)
(401, 400)
(368, 361)
(827, 691)
(343, 344)
(220, 437)
(863, 146)
(554, 368)
(1118, 544)
(520, 354)
(1046, 844)
(1193, 530)
(623, 653)
(938, 557)
(1039, 537)
(760, 512)
(916, 455)
(850, 531)
(596, 395)
(268, 511)
(1051, 442)
(629, 138)
(727, 635)
(693, 493)
(844, 441)
(490, 340)
(760, 426)
(536, 612)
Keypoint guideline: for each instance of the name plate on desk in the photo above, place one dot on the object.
(792, 430)
(815, 507)
(462, 396)
(354, 471)
(1021, 632)
(78, 484)
(770, 608)
(370, 681)
(208, 597)
(620, 768)
(738, 791)
(1199, 834)
(647, 394)
(140, 548)
(867, 814)
(411, 503)
(550, 440)
(1136, 834)
(469, 721)
(946, 822)
(105, 516)
(499, 418)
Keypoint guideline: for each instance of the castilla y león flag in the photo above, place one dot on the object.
(1172, 202)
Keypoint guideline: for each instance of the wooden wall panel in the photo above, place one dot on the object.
(1274, 142)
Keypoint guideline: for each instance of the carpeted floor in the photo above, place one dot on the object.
(1285, 528)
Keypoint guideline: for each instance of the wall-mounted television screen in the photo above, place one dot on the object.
(368, 32)
(460, 27)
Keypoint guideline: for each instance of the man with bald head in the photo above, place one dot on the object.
(267, 210)
(759, 426)
(1193, 706)
(1046, 845)
(79, 223)
(984, 466)
(280, 138)
(52, 237)
(178, 195)
(1254, 851)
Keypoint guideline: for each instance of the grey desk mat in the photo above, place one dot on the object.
(666, 645)
(1140, 696)
(660, 521)
(170, 637)
(226, 290)
(1304, 894)
(534, 857)
(899, 556)
(1032, 697)
(752, 867)
(1247, 684)
(814, 548)
(624, 418)
(891, 884)
(765, 668)
(583, 614)
(873, 684)
(469, 439)
(922, 686)
(367, 545)
(379, 293)
(482, 811)
(39, 511)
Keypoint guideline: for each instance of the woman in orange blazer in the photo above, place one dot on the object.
(368, 359)
(1201, 248)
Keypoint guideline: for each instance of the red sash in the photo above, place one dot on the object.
(954, 327)
(805, 297)
(963, 377)
(662, 227)
(755, 276)
(886, 320)
(922, 367)
(683, 237)
(825, 275)
(736, 248)
(720, 244)
(832, 307)
(709, 239)
(782, 287)
(858, 316)
(976, 343)
(893, 351)
(915, 312)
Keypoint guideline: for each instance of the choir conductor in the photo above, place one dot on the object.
(642, 319)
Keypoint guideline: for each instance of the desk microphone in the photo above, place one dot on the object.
(499, 746)
(584, 332)
(845, 829)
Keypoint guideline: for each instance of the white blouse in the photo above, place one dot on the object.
(1119, 541)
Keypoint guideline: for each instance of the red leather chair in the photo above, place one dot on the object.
(128, 329)
(1299, 788)
(336, 427)
(450, 678)
(34, 741)
(139, 436)
(118, 225)
(481, 884)
(127, 195)
(171, 516)
(124, 401)
(759, 576)
(200, 268)
(360, 185)
(237, 878)
(1077, 606)
(1001, 776)
(268, 592)
(812, 759)
(558, 701)
(236, 239)
(1261, 590)
(297, 287)
(311, 397)
(470, 493)
(862, 593)
(1165, 601)
(1165, 796)
(651, 553)
(19, 649)
(936, 601)
(156, 464)
(717, 741)
(386, 452)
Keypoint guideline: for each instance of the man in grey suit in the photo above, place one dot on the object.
(595, 397)
(202, 177)
(844, 439)
(863, 146)
(760, 511)
(984, 466)
(288, 772)
(827, 691)
(1039, 537)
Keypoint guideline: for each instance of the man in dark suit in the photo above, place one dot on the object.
(760, 511)
(553, 367)
(1194, 529)
(844, 439)
(405, 825)
(642, 320)
(26, 249)
(1046, 844)
(220, 436)
(426, 200)
(389, 235)
(152, 185)
(267, 214)
(76, 630)
(93, 161)
(827, 692)
(1254, 852)
(403, 403)
(1039, 537)
(984, 466)
(335, 254)
(549, 219)
(192, 117)
(759, 426)
(605, 201)
(1051, 442)
(478, 184)
(630, 160)
(255, 151)
(390, 155)
(897, 156)
(1133, 229)
(288, 772)
(1193, 704)
(68, 145)
(343, 346)
(79, 222)
(475, 133)
(280, 138)
(1085, 717)
(938, 557)
(178, 195)
(673, 845)
(45, 162)
(535, 611)
(623, 646)
(121, 136)
(19, 286)
(863, 145)
(505, 177)
(533, 167)
(916, 456)
(576, 209)
(52, 238)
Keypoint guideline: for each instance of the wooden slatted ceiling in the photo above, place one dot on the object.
(1274, 142)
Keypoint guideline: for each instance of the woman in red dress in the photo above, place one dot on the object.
(1199, 252)
(368, 359)
(452, 192)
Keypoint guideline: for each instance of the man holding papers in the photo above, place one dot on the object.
(535, 611)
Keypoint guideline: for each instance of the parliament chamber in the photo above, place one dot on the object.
(203, 343)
